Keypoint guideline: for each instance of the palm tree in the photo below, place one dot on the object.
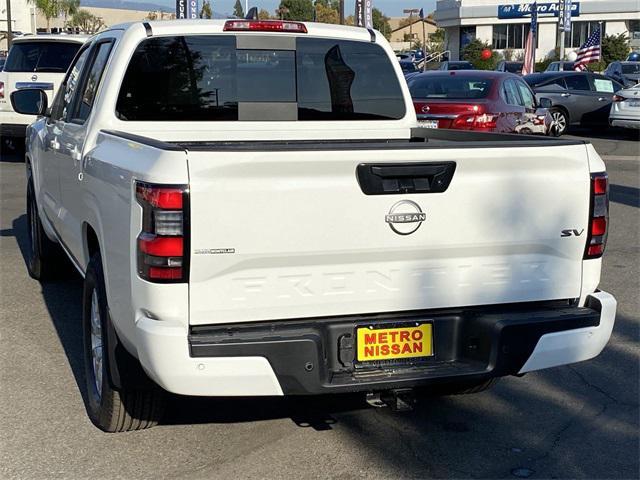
(49, 9)
(68, 8)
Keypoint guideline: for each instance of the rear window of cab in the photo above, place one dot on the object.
(206, 78)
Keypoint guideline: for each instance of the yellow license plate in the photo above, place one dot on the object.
(394, 343)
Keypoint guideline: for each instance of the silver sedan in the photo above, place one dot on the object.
(625, 109)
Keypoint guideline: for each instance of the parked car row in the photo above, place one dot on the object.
(478, 100)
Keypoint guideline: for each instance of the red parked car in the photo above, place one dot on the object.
(485, 101)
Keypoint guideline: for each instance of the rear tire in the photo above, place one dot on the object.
(43, 254)
(559, 122)
(110, 409)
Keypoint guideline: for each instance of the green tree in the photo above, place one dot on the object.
(263, 14)
(86, 21)
(49, 9)
(238, 11)
(68, 8)
(205, 11)
(301, 10)
(326, 14)
(381, 23)
(615, 48)
(435, 41)
(473, 53)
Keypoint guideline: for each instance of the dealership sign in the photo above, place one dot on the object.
(186, 9)
(520, 10)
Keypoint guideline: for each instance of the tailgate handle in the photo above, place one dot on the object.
(394, 178)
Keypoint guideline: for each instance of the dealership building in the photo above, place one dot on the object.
(505, 25)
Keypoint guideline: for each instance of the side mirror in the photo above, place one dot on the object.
(545, 103)
(30, 101)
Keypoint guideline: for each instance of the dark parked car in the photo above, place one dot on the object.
(448, 65)
(578, 98)
(510, 67)
(477, 100)
(627, 73)
(555, 66)
(408, 66)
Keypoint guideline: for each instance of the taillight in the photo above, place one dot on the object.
(163, 252)
(618, 98)
(264, 26)
(598, 216)
(486, 121)
(1, 89)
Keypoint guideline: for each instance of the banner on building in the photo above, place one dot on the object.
(565, 15)
(520, 10)
(187, 9)
(364, 13)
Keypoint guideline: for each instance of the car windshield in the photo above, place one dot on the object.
(460, 66)
(41, 56)
(513, 67)
(631, 68)
(436, 86)
(206, 78)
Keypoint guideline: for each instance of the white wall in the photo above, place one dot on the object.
(22, 15)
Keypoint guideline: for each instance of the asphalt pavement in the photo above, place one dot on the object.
(579, 421)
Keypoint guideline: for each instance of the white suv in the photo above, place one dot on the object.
(34, 61)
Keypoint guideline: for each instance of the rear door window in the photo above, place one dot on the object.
(525, 94)
(41, 56)
(206, 78)
(577, 82)
(511, 93)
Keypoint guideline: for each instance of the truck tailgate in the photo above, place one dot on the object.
(287, 232)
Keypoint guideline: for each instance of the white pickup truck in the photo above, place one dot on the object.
(253, 214)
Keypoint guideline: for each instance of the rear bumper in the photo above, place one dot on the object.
(14, 124)
(624, 122)
(316, 356)
(13, 130)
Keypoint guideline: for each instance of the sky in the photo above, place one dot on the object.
(391, 8)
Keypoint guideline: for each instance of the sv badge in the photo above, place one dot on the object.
(572, 233)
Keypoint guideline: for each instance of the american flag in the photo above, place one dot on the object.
(530, 48)
(589, 52)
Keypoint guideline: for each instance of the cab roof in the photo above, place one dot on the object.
(196, 27)
(55, 37)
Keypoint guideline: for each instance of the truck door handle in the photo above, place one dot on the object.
(602, 99)
(394, 178)
(565, 95)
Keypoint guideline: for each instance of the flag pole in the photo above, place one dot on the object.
(424, 46)
(600, 33)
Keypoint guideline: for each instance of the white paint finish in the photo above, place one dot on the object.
(590, 278)
(309, 243)
(571, 346)
(164, 353)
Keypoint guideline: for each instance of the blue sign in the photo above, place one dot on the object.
(520, 10)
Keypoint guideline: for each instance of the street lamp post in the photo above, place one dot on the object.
(9, 27)
(410, 12)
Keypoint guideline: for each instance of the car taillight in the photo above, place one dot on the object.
(163, 252)
(486, 121)
(1, 89)
(598, 216)
(618, 98)
(264, 26)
